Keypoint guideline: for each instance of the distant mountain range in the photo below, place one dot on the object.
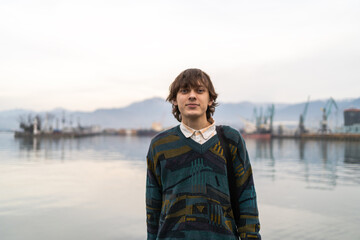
(142, 114)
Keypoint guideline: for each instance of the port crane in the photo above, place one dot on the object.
(326, 112)
(301, 128)
(261, 120)
(270, 116)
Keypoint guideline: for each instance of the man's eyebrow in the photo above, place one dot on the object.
(200, 86)
(188, 86)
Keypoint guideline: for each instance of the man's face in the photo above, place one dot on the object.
(193, 102)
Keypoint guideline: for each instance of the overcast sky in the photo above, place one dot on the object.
(84, 55)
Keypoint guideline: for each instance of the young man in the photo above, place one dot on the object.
(187, 188)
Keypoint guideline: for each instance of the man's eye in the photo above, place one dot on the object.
(200, 90)
(183, 90)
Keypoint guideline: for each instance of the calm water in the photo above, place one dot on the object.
(94, 188)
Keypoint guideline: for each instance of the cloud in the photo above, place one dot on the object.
(258, 51)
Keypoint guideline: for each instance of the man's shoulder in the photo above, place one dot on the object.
(231, 133)
(166, 134)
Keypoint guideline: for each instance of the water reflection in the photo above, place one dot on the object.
(301, 149)
(352, 153)
(91, 148)
(321, 164)
(264, 149)
(100, 183)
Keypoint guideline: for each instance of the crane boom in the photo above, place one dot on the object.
(329, 104)
(306, 108)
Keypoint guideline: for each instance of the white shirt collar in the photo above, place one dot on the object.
(206, 132)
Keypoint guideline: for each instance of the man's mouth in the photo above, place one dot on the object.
(192, 105)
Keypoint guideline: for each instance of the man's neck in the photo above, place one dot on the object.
(196, 124)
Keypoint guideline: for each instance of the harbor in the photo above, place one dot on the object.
(263, 126)
(42, 127)
(83, 170)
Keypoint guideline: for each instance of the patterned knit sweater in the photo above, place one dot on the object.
(187, 190)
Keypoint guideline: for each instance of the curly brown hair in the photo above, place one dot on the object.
(192, 78)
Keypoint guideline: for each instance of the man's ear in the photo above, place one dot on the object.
(210, 102)
(174, 102)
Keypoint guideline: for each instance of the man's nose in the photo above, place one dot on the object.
(192, 94)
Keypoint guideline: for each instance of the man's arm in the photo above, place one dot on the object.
(248, 225)
(153, 198)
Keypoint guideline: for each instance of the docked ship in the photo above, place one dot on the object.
(156, 128)
(36, 127)
(263, 126)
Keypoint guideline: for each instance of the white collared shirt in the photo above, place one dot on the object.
(199, 136)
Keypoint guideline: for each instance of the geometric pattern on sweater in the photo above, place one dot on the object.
(187, 190)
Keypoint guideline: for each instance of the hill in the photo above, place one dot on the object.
(143, 113)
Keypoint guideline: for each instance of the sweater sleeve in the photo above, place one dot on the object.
(248, 225)
(153, 197)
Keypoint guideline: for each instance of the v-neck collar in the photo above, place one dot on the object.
(200, 148)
